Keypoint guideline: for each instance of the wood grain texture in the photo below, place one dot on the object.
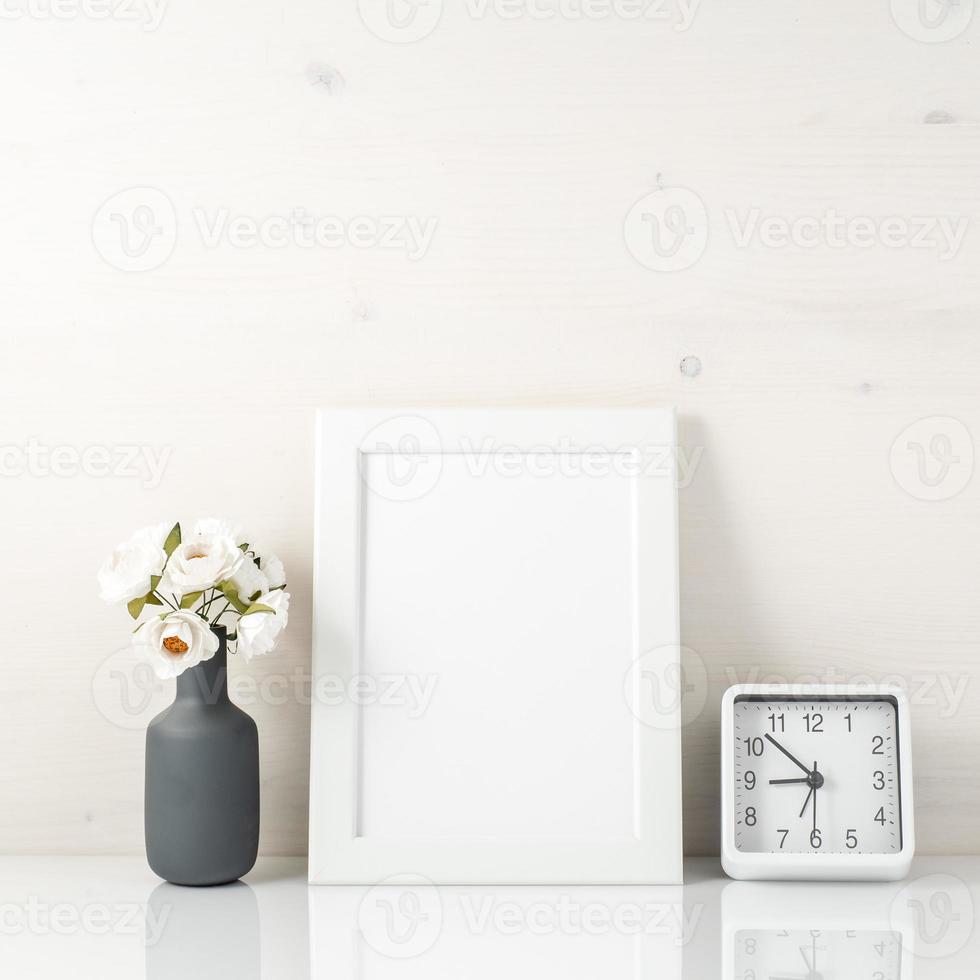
(527, 142)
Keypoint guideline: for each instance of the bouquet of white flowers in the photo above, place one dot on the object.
(200, 579)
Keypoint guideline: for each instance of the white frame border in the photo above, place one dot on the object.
(749, 866)
(654, 855)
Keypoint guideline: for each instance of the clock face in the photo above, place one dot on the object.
(799, 953)
(817, 775)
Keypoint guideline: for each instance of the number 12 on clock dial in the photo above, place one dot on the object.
(816, 783)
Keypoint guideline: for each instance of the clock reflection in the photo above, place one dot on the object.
(813, 931)
(817, 954)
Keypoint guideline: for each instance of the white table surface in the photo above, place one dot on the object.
(111, 917)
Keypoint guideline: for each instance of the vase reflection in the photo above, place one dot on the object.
(203, 933)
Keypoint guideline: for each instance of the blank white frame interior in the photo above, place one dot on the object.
(496, 647)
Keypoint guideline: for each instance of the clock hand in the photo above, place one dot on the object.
(806, 959)
(792, 758)
(773, 782)
(815, 785)
(807, 800)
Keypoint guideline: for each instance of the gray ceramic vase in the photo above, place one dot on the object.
(202, 781)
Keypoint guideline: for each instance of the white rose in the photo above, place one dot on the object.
(217, 527)
(126, 572)
(175, 643)
(201, 562)
(258, 632)
(274, 571)
(248, 580)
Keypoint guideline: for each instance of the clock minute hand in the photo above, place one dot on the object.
(792, 758)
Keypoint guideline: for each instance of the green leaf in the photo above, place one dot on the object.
(151, 600)
(135, 606)
(244, 546)
(173, 539)
(255, 595)
(231, 594)
(258, 607)
(188, 600)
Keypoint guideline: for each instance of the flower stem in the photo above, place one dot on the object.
(163, 598)
(214, 621)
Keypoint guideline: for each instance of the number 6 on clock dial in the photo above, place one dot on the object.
(816, 783)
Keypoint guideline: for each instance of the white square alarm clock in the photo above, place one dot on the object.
(816, 782)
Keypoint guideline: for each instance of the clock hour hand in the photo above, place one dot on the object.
(777, 782)
(792, 758)
(807, 800)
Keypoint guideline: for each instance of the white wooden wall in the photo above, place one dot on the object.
(806, 545)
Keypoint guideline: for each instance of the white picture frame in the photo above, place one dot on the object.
(524, 562)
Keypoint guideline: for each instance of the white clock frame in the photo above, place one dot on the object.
(747, 865)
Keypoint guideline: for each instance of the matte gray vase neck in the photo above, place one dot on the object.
(207, 683)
